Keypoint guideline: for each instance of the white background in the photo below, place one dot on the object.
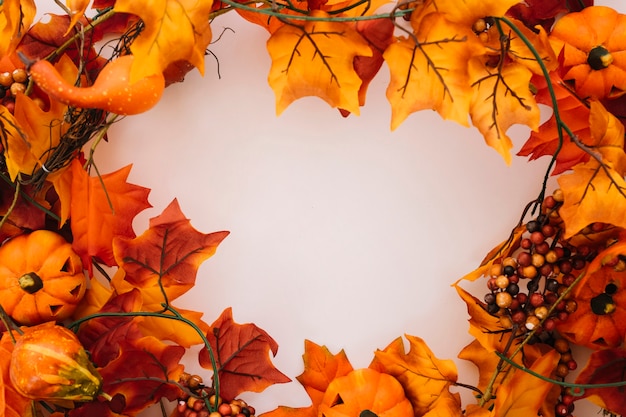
(342, 232)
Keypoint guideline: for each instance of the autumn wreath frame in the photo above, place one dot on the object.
(489, 62)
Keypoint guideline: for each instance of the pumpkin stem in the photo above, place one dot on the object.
(30, 282)
(599, 58)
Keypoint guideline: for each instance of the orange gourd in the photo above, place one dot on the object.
(593, 51)
(48, 362)
(112, 91)
(599, 321)
(365, 393)
(41, 278)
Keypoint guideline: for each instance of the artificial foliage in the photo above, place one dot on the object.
(91, 324)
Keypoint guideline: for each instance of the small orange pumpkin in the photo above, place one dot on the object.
(599, 321)
(48, 362)
(41, 278)
(592, 46)
(365, 393)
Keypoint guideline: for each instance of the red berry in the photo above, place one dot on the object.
(537, 237)
(225, 409)
(536, 299)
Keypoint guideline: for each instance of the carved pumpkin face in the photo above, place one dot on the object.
(365, 393)
(600, 318)
(41, 278)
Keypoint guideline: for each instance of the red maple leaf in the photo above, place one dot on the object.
(242, 357)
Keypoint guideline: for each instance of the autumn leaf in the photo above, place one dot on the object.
(596, 190)
(316, 59)
(39, 130)
(21, 215)
(425, 378)
(573, 113)
(486, 328)
(495, 255)
(174, 30)
(168, 254)
(320, 368)
(379, 35)
(76, 10)
(605, 366)
(242, 357)
(103, 208)
(104, 336)
(144, 372)
(16, 16)
(523, 394)
(486, 363)
(469, 11)
(432, 73)
(502, 98)
(12, 404)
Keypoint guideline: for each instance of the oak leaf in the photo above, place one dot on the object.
(604, 367)
(432, 73)
(316, 59)
(425, 378)
(16, 16)
(502, 98)
(523, 394)
(103, 208)
(596, 191)
(241, 352)
(174, 30)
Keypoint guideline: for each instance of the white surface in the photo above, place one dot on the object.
(342, 232)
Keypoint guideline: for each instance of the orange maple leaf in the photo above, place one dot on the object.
(16, 16)
(316, 59)
(174, 30)
(321, 367)
(502, 98)
(425, 378)
(242, 357)
(523, 394)
(596, 191)
(432, 73)
(103, 208)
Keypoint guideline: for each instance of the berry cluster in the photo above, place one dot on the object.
(204, 399)
(11, 84)
(526, 288)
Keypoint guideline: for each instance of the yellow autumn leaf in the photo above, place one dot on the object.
(175, 30)
(432, 73)
(316, 59)
(425, 378)
(596, 191)
(502, 98)
(16, 16)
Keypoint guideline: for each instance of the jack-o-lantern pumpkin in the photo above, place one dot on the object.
(600, 318)
(41, 278)
(593, 51)
(365, 393)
